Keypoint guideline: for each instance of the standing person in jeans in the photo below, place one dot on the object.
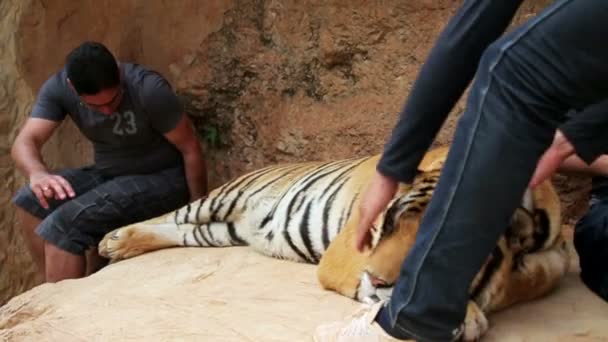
(148, 160)
(525, 83)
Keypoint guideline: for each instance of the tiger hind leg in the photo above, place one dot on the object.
(139, 238)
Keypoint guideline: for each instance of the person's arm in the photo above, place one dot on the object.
(28, 145)
(445, 75)
(583, 136)
(551, 160)
(167, 116)
(26, 152)
(47, 114)
(183, 137)
(442, 80)
(586, 131)
(574, 164)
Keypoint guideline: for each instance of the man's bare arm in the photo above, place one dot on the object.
(26, 152)
(183, 137)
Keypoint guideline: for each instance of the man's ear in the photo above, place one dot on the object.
(120, 73)
(72, 86)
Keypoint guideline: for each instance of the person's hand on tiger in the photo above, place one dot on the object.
(551, 160)
(375, 199)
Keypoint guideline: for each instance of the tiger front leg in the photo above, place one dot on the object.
(534, 276)
(475, 323)
(372, 289)
(148, 236)
(136, 239)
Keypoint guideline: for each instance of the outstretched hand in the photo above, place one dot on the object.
(551, 160)
(45, 185)
(375, 199)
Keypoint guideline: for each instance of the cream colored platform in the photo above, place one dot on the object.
(235, 294)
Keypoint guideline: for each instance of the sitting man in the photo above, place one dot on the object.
(147, 158)
(591, 231)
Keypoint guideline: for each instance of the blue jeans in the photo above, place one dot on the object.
(591, 243)
(526, 83)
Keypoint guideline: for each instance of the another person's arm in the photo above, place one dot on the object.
(586, 131)
(574, 164)
(448, 70)
(445, 75)
(584, 135)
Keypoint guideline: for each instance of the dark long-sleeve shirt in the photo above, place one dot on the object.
(451, 66)
(588, 131)
(444, 77)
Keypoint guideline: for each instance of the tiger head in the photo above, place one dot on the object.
(364, 275)
(535, 226)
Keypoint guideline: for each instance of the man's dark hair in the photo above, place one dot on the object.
(91, 68)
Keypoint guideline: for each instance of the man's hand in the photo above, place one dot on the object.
(551, 160)
(46, 185)
(380, 191)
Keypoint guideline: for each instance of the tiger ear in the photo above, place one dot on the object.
(521, 217)
(433, 160)
(386, 224)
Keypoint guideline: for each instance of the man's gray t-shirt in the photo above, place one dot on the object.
(130, 141)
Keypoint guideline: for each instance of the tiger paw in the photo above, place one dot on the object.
(475, 323)
(118, 244)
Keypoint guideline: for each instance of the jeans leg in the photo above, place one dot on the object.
(591, 243)
(511, 116)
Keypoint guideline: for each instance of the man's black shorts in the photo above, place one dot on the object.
(103, 204)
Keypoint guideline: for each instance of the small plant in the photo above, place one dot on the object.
(211, 134)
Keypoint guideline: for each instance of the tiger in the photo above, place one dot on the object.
(308, 212)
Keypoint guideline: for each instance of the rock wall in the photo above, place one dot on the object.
(265, 81)
(16, 268)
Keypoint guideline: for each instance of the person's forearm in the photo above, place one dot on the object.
(183, 138)
(586, 130)
(574, 164)
(196, 173)
(27, 157)
(443, 79)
